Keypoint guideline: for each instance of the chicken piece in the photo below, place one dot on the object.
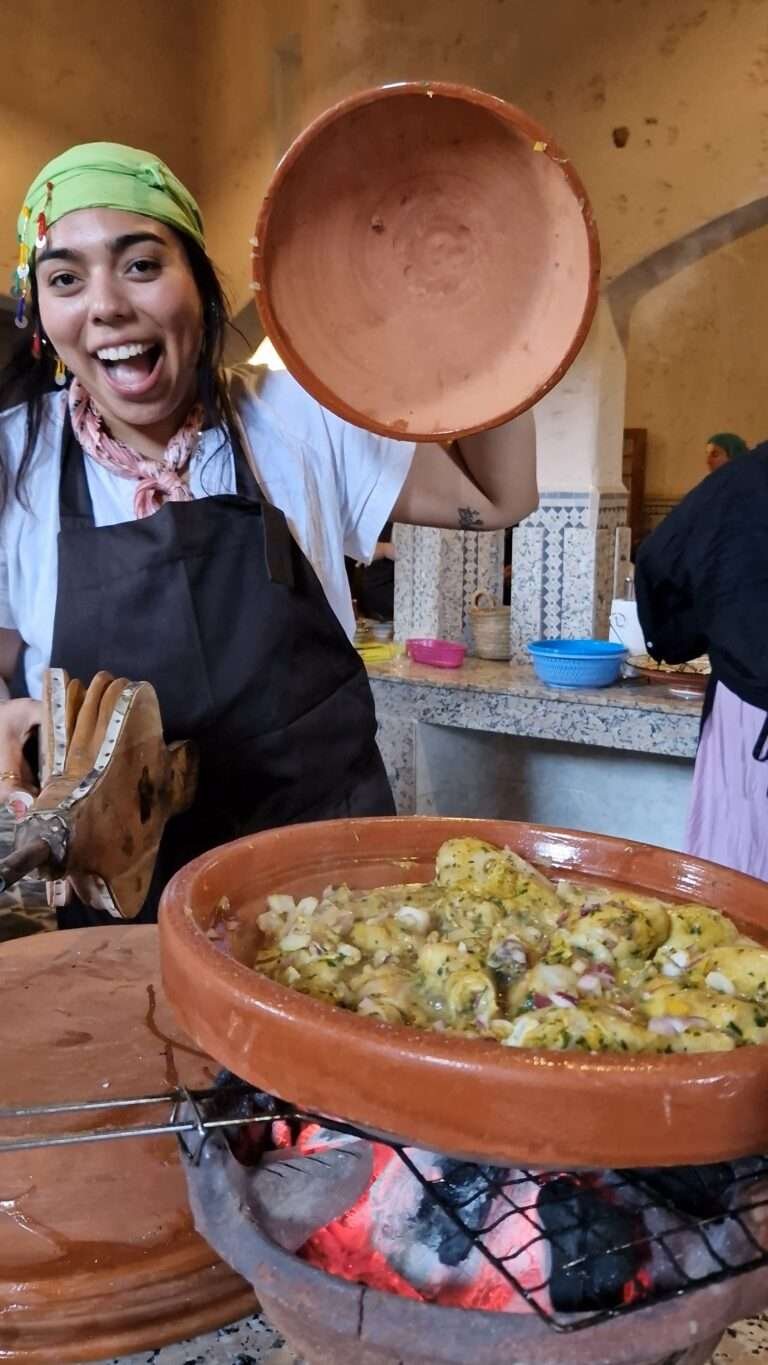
(546, 983)
(742, 1020)
(385, 937)
(320, 977)
(617, 933)
(694, 929)
(517, 940)
(495, 873)
(457, 987)
(388, 993)
(703, 1040)
(465, 918)
(589, 1028)
(736, 968)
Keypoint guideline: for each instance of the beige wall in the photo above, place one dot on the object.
(216, 87)
(688, 79)
(696, 362)
(86, 70)
(199, 82)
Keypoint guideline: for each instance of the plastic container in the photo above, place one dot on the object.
(437, 653)
(577, 663)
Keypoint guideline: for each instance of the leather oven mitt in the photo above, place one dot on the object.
(118, 786)
(62, 699)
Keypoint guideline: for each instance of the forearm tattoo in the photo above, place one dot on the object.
(470, 519)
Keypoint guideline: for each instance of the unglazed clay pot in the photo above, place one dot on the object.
(468, 1097)
(426, 261)
(98, 1255)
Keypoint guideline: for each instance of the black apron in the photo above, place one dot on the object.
(213, 602)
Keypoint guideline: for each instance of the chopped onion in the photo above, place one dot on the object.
(293, 942)
(563, 1001)
(591, 983)
(680, 958)
(350, 952)
(668, 1025)
(413, 917)
(602, 969)
(669, 969)
(283, 904)
(718, 982)
(308, 905)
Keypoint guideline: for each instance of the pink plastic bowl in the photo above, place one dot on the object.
(438, 653)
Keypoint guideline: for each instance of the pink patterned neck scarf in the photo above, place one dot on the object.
(156, 483)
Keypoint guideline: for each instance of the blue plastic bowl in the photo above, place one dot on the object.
(577, 663)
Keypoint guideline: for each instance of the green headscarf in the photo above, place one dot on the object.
(731, 445)
(110, 176)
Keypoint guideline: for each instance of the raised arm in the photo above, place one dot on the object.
(483, 483)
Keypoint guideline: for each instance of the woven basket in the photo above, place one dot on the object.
(490, 627)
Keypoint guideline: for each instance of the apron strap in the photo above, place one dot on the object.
(278, 541)
(75, 504)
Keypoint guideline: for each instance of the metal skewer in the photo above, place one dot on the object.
(198, 1124)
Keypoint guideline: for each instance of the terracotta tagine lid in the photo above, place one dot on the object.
(426, 261)
(98, 1256)
(467, 1097)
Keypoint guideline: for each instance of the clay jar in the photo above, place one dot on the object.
(426, 261)
(468, 1097)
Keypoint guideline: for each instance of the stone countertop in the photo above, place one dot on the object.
(519, 680)
(253, 1342)
(509, 699)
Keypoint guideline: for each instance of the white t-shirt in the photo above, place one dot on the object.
(335, 483)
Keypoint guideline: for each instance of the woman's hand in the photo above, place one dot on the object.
(18, 719)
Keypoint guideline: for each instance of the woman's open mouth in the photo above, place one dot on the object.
(132, 369)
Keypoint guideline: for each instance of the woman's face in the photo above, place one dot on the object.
(716, 457)
(119, 305)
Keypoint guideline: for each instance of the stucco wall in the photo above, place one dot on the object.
(82, 71)
(696, 361)
(688, 81)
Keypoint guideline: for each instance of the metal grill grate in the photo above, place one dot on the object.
(608, 1242)
(580, 1247)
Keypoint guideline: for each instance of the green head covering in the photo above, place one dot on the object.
(731, 445)
(106, 175)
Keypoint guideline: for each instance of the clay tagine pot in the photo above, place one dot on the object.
(426, 261)
(98, 1255)
(466, 1097)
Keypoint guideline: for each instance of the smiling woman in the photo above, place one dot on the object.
(161, 519)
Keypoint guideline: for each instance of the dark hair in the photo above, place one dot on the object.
(27, 380)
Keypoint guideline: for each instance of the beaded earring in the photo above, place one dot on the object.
(20, 284)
